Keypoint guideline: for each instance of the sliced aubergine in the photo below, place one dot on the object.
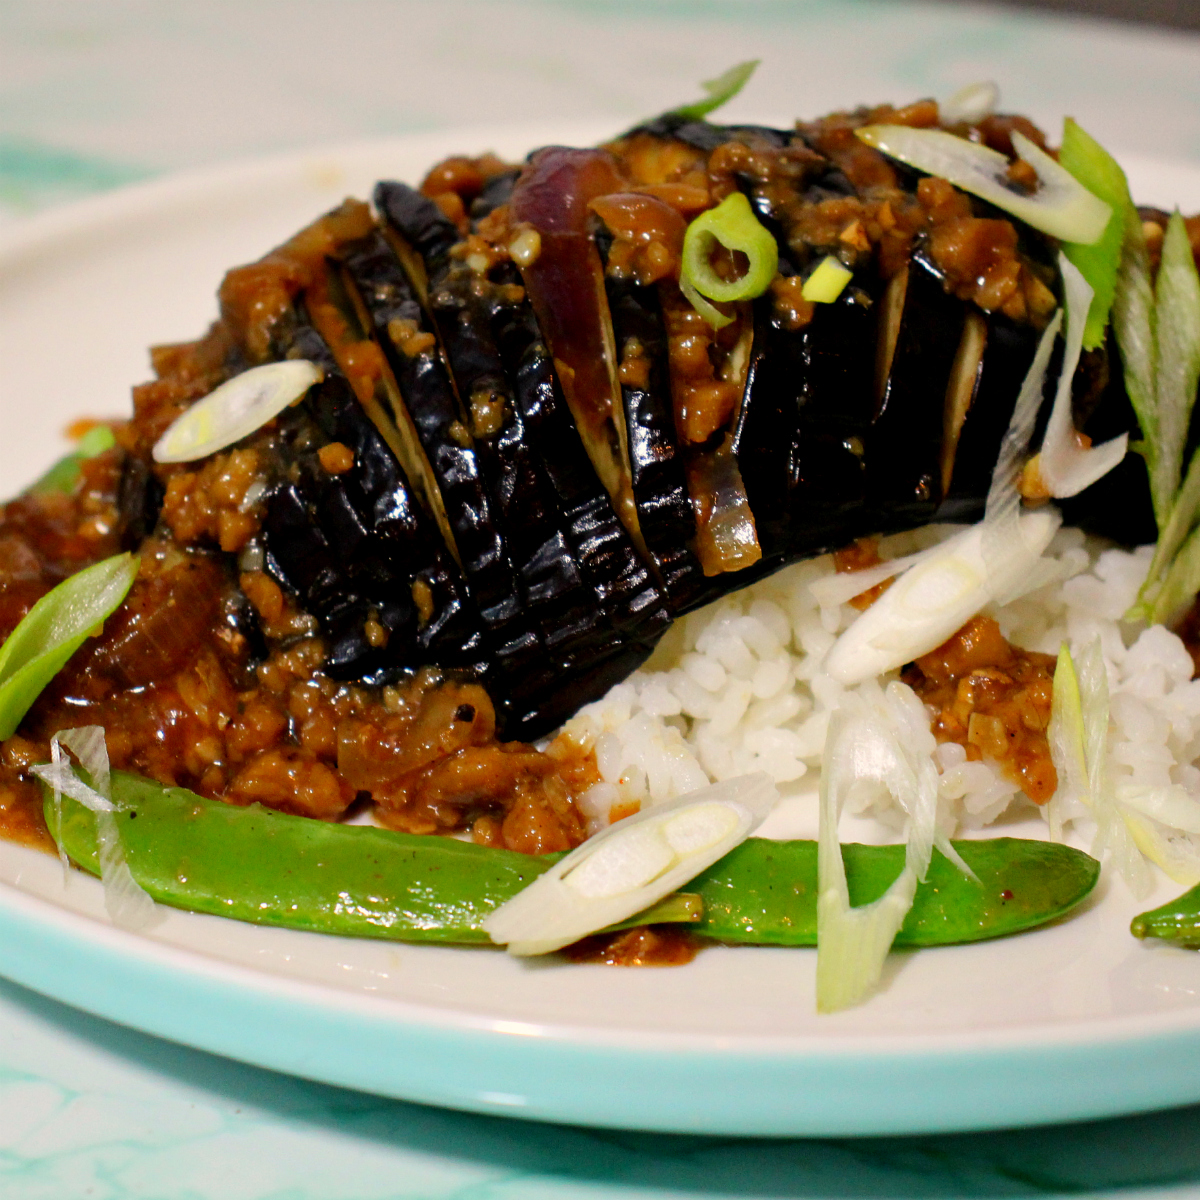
(628, 613)
(917, 349)
(356, 546)
(805, 422)
(554, 595)
(632, 224)
(564, 279)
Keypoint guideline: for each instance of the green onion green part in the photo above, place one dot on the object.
(1098, 263)
(720, 90)
(731, 224)
(64, 475)
(53, 629)
(827, 282)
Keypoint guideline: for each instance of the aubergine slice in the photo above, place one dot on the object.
(657, 473)
(903, 450)
(805, 421)
(356, 546)
(553, 592)
(628, 612)
(993, 359)
(428, 393)
(1118, 505)
(564, 280)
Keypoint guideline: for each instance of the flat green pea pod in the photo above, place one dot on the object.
(766, 892)
(270, 868)
(267, 867)
(1176, 921)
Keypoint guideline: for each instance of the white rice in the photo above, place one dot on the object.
(740, 686)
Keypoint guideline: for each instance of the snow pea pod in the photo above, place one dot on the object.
(766, 892)
(1176, 921)
(257, 865)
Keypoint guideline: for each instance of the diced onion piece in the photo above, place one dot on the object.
(1061, 207)
(827, 282)
(54, 628)
(882, 738)
(1065, 466)
(969, 105)
(128, 904)
(236, 409)
(938, 595)
(732, 224)
(631, 865)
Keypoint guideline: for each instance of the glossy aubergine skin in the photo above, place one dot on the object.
(353, 546)
(855, 420)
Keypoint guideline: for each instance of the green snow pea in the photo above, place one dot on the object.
(257, 865)
(766, 892)
(1176, 921)
(270, 868)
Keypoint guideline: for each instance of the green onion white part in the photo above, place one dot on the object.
(882, 739)
(937, 596)
(1065, 466)
(128, 904)
(235, 410)
(631, 865)
(1061, 207)
(969, 105)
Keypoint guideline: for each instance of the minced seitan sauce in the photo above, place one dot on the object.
(184, 697)
(994, 699)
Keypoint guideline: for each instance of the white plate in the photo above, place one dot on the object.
(1075, 1020)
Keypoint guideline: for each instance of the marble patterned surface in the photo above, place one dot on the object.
(96, 94)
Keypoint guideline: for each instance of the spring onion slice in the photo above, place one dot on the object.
(732, 224)
(235, 410)
(1065, 466)
(1078, 736)
(128, 904)
(631, 865)
(720, 90)
(53, 629)
(934, 598)
(1062, 206)
(883, 739)
(969, 105)
(827, 282)
(713, 315)
(1100, 262)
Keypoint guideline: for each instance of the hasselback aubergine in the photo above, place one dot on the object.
(530, 450)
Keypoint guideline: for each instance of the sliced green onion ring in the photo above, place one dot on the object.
(53, 629)
(827, 282)
(631, 865)
(1062, 206)
(732, 224)
(235, 410)
(969, 105)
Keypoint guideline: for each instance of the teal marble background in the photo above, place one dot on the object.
(97, 94)
(89, 1109)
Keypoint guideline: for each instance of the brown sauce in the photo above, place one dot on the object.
(644, 946)
(993, 699)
